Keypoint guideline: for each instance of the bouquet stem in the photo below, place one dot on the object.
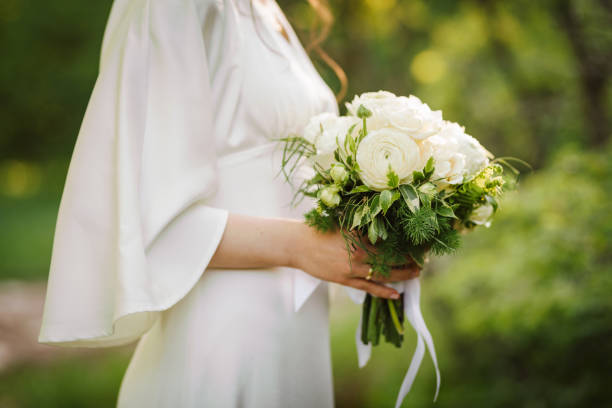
(382, 316)
(398, 326)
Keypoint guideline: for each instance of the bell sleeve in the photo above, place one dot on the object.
(134, 233)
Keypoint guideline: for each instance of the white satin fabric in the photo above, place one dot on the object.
(176, 135)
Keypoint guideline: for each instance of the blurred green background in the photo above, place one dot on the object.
(522, 315)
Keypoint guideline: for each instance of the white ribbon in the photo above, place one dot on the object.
(412, 310)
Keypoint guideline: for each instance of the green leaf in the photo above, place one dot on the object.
(417, 254)
(373, 232)
(357, 216)
(392, 178)
(381, 229)
(428, 188)
(387, 198)
(425, 199)
(444, 210)
(375, 206)
(359, 189)
(365, 215)
(429, 167)
(410, 196)
(417, 177)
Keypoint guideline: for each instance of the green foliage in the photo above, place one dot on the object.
(320, 220)
(91, 381)
(527, 304)
(446, 243)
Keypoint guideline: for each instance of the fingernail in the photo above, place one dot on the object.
(395, 296)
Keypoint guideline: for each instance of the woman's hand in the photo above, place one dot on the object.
(325, 256)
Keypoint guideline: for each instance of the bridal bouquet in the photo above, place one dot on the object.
(394, 173)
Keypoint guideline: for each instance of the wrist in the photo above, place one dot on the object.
(294, 238)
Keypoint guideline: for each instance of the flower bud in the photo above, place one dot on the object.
(363, 112)
(329, 196)
(338, 173)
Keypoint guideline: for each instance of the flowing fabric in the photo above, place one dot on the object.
(135, 228)
(177, 134)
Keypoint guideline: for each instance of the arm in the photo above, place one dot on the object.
(254, 242)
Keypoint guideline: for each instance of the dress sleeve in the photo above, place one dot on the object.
(134, 233)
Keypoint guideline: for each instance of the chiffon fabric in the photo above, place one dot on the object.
(180, 131)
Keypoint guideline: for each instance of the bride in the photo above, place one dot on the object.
(173, 228)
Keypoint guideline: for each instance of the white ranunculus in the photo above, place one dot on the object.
(449, 163)
(476, 156)
(371, 100)
(323, 130)
(407, 114)
(383, 149)
(312, 130)
(482, 215)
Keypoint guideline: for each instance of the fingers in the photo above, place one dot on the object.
(359, 269)
(401, 274)
(373, 288)
(358, 254)
(362, 270)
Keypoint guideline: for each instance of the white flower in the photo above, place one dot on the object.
(476, 156)
(449, 164)
(323, 130)
(482, 215)
(407, 114)
(458, 157)
(329, 195)
(386, 149)
(371, 100)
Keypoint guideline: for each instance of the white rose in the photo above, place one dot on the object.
(449, 163)
(482, 215)
(476, 156)
(323, 130)
(407, 114)
(382, 149)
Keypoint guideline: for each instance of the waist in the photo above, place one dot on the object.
(250, 182)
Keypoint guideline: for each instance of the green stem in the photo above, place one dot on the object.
(373, 324)
(396, 322)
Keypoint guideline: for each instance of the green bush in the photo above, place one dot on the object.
(526, 305)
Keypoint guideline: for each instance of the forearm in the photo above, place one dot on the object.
(259, 242)
(256, 242)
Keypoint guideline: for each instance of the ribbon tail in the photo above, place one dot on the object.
(412, 310)
(417, 359)
(413, 286)
(364, 351)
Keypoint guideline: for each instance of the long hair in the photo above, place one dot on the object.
(318, 33)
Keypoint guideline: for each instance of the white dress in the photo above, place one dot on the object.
(179, 132)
